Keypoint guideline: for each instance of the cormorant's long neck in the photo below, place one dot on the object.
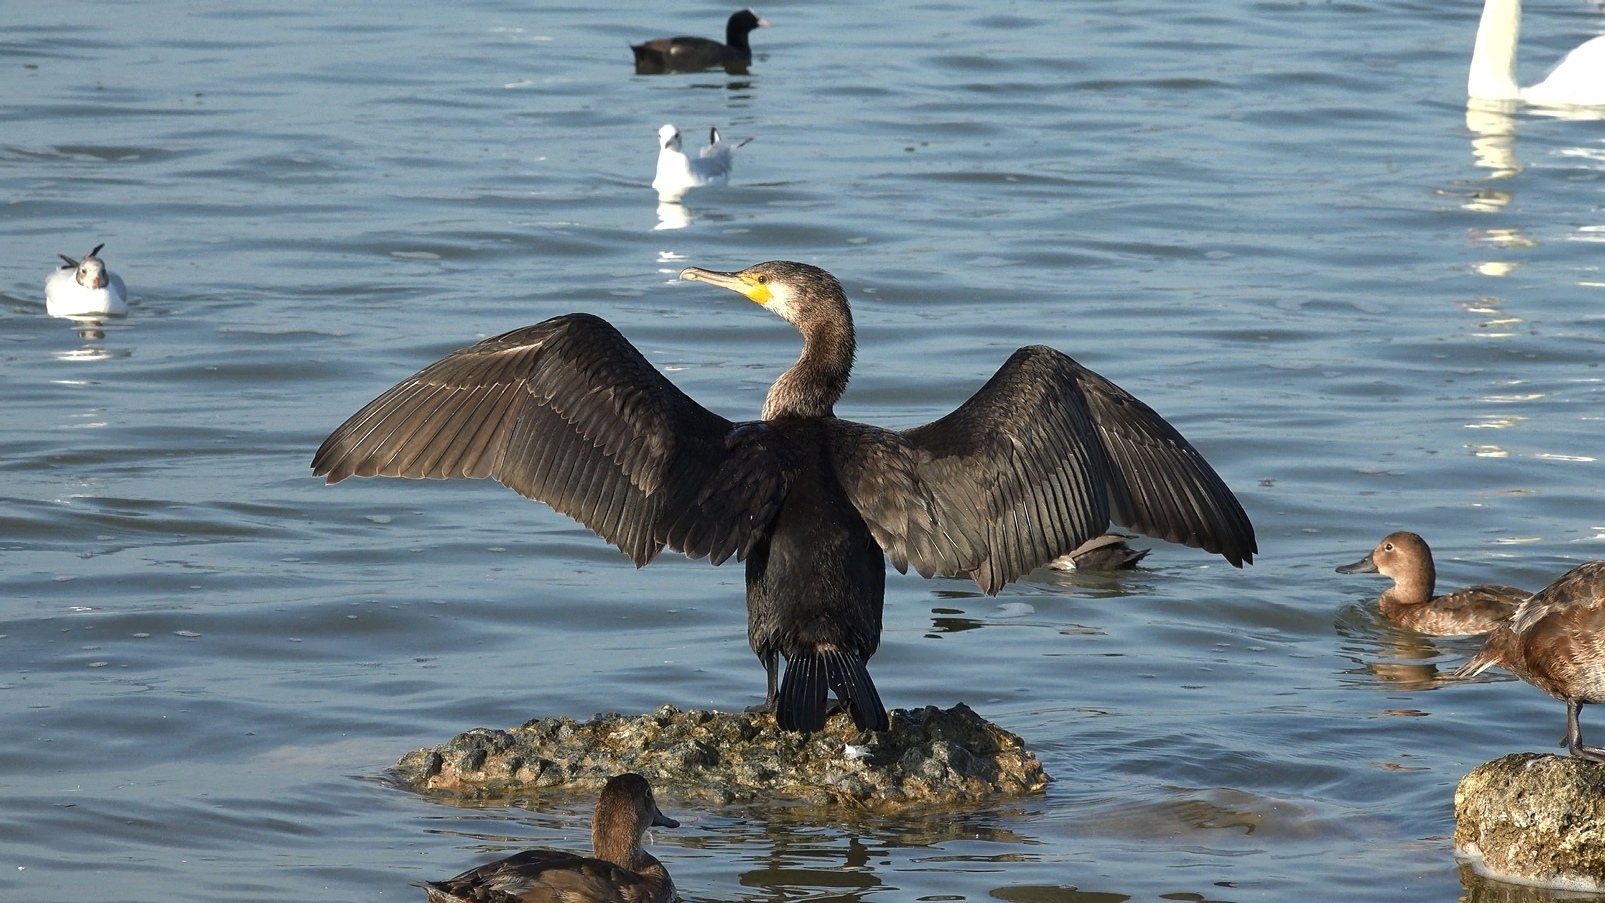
(813, 384)
(1493, 59)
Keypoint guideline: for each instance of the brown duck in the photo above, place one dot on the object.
(1409, 603)
(1556, 642)
(620, 872)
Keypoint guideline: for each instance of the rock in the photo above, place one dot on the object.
(927, 756)
(1534, 818)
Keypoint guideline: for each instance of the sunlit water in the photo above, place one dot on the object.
(1271, 221)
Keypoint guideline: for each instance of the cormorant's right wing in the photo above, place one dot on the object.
(567, 412)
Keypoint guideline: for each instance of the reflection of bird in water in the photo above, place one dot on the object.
(679, 173)
(1409, 602)
(1556, 642)
(685, 54)
(570, 413)
(621, 872)
(1108, 552)
(85, 288)
(1579, 78)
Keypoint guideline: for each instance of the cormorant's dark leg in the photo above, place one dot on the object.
(770, 667)
(1573, 741)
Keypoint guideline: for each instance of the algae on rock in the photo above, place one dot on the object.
(927, 756)
(1534, 818)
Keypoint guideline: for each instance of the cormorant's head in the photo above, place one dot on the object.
(802, 295)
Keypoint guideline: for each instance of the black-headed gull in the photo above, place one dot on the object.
(85, 288)
(679, 173)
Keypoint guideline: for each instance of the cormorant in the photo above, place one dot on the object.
(1036, 462)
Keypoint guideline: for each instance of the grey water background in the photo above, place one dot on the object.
(1270, 220)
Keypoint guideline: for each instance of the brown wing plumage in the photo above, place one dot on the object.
(567, 412)
(1032, 465)
(544, 876)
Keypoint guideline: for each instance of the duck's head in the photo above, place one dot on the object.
(624, 813)
(1398, 554)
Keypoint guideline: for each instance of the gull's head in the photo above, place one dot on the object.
(91, 271)
(669, 138)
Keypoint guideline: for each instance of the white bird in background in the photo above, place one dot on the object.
(1578, 80)
(678, 173)
(85, 288)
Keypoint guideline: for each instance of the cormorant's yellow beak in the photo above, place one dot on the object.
(754, 286)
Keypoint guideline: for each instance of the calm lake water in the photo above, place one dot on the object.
(1271, 221)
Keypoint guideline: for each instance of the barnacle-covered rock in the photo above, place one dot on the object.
(927, 756)
(1534, 818)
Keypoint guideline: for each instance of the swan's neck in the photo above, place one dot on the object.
(1493, 59)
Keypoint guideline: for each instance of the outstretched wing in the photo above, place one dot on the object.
(1163, 487)
(1038, 461)
(566, 412)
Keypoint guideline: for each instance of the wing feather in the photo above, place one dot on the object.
(567, 412)
(1032, 465)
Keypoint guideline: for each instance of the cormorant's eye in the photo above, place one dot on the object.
(762, 279)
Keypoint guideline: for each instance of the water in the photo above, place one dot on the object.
(1269, 220)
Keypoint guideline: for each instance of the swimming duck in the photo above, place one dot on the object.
(1556, 642)
(685, 54)
(85, 288)
(620, 872)
(568, 412)
(1108, 552)
(678, 173)
(1409, 603)
(1577, 80)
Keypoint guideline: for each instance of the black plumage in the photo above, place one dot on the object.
(1036, 462)
(692, 54)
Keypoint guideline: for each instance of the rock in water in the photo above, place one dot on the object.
(929, 756)
(1534, 818)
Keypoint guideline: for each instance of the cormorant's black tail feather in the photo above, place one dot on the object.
(801, 706)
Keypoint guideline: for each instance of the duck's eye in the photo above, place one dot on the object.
(1387, 547)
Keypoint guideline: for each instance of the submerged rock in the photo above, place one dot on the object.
(927, 756)
(1534, 818)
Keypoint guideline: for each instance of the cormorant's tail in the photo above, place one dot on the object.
(802, 704)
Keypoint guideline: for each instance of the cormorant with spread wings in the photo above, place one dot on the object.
(1036, 462)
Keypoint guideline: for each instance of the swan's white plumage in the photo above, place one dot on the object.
(679, 173)
(85, 288)
(1578, 80)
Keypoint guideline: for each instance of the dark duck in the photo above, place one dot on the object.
(1036, 462)
(620, 872)
(691, 54)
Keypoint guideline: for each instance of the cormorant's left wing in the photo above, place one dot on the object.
(1031, 466)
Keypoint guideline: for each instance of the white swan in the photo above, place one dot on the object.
(1579, 79)
(85, 288)
(679, 173)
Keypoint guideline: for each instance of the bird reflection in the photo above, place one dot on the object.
(672, 216)
(1392, 658)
